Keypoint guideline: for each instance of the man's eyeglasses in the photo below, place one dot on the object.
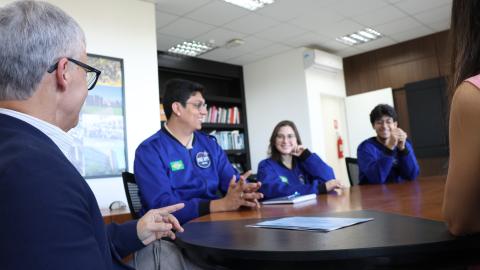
(198, 105)
(92, 73)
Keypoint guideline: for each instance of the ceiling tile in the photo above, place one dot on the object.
(341, 28)
(398, 26)
(440, 26)
(165, 42)
(434, 15)
(380, 16)
(162, 19)
(185, 28)
(250, 24)
(244, 59)
(217, 13)
(333, 46)
(349, 8)
(322, 19)
(281, 32)
(307, 40)
(409, 34)
(271, 50)
(220, 35)
(179, 7)
(375, 44)
(416, 6)
(285, 10)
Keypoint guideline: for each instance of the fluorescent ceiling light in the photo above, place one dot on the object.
(359, 37)
(191, 48)
(250, 4)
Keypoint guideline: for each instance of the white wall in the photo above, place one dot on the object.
(323, 88)
(275, 90)
(123, 29)
(358, 115)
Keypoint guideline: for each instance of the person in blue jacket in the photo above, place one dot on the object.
(292, 168)
(50, 217)
(181, 164)
(389, 156)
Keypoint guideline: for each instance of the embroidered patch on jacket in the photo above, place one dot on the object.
(203, 160)
(177, 165)
(284, 179)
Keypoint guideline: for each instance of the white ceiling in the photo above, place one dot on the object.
(289, 24)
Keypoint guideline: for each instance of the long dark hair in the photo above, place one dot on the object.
(464, 42)
(272, 150)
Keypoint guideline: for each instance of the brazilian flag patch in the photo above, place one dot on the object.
(177, 165)
(284, 179)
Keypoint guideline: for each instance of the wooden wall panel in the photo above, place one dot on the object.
(396, 76)
(408, 51)
(443, 53)
(362, 73)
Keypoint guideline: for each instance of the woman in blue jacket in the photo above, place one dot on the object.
(292, 168)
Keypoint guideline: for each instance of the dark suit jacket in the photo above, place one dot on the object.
(49, 216)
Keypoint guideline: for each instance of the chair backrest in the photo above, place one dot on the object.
(353, 171)
(131, 190)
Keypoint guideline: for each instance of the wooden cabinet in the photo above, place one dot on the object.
(223, 89)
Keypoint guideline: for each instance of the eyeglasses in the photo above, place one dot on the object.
(198, 105)
(92, 73)
(288, 136)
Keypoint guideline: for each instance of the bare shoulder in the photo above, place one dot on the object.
(466, 100)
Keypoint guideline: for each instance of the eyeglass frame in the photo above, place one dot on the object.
(198, 105)
(87, 68)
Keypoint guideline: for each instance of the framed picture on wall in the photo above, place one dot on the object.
(100, 136)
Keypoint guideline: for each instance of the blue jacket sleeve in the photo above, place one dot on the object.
(225, 169)
(156, 187)
(408, 165)
(316, 167)
(373, 164)
(272, 185)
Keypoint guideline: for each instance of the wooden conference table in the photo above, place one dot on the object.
(407, 232)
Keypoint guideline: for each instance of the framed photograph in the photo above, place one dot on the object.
(100, 136)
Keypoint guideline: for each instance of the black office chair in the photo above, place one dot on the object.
(131, 190)
(353, 171)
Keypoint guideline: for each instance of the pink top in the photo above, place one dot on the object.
(475, 80)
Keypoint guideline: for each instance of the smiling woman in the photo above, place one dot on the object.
(292, 168)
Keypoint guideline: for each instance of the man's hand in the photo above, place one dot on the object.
(298, 150)
(402, 138)
(333, 184)
(158, 223)
(239, 194)
(391, 141)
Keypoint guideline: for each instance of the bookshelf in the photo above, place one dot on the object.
(223, 89)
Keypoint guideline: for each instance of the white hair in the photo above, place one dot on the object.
(33, 36)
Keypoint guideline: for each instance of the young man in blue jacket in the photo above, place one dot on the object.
(50, 217)
(389, 156)
(181, 164)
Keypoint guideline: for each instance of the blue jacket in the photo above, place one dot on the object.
(307, 176)
(50, 218)
(168, 173)
(379, 165)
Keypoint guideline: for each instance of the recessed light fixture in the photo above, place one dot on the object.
(191, 48)
(360, 37)
(250, 4)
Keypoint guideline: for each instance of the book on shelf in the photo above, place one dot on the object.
(294, 198)
(229, 140)
(220, 115)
